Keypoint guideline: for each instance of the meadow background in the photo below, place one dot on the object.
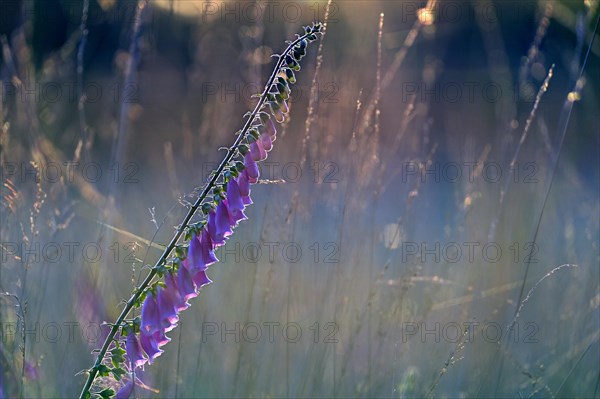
(353, 276)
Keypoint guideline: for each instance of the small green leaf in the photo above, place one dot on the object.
(118, 373)
(103, 370)
(117, 351)
(107, 393)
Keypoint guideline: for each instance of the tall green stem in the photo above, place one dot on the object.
(230, 153)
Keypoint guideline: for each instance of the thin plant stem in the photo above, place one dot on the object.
(230, 153)
(83, 127)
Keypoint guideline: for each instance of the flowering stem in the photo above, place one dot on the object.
(85, 393)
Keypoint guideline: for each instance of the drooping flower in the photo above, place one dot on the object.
(251, 168)
(160, 338)
(208, 247)
(168, 314)
(172, 286)
(201, 279)
(224, 220)
(149, 344)
(235, 201)
(257, 150)
(267, 141)
(195, 256)
(185, 284)
(125, 391)
(270, 129)
(284, 107)
(163, 303)
(150, 315)
(276, 111)
(134, 351)
(217, 237)
(244, 185)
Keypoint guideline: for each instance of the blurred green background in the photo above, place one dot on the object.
(353, 276)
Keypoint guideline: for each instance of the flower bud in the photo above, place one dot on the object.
(284, 107)
(239, 166)
(270, 96)
(290, 75)
(254, 133)
(206, 208)
(267, 141)
(264, 117)
(300, 50)
(284, 82)
(291, 62)
(274, 106)
(283, 93)
(297, 55)
(243, 148)
(257, 151)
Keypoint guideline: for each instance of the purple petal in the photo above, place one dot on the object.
(223, 219)
(267, 142)
(208, 248)
(270, 128)
(185, 285)
(171, 285)
(166, 307)
(160, 338)
(201, 279)
(251, 168)
(135, 351)
(194, 256)
(125, 391)
(278, 114)
(254, 151)
(236, 204)
(244, 186)
(257, 151)
(150, 315)
(216, 237)
(150, 346)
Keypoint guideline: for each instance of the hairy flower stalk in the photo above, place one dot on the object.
(180, 272)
